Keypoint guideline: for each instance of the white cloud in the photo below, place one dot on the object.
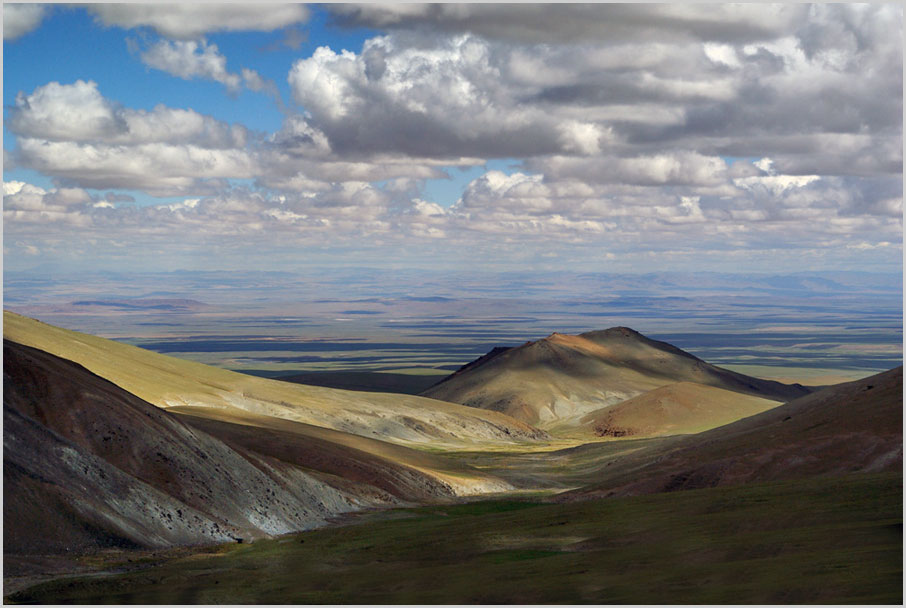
(722, 53)
(190, 59)
(78, 112)
(20, 19)
(73, 132)
(775, 184)
(193, 20)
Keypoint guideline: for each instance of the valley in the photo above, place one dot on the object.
(573, 467)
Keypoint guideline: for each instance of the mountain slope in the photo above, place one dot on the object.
(167, 381)
(845, 428)
(88, 465)
(560, 379)
(681, 408)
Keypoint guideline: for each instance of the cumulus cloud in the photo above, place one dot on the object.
(191, 21)
(73, 132)
(657, 128)
(819, 89)
(78, 112)
(20, 19)
(447, 99)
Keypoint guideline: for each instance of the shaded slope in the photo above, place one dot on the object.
(88, 465)
(561, 378)
(681, 408)
(166, 381)
(846, 428)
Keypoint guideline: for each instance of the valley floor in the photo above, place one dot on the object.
(821, 540)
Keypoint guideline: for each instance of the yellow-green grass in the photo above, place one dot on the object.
(821, 540)
(675, 409)
(168, 382)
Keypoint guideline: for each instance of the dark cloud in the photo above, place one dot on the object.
(568, 23)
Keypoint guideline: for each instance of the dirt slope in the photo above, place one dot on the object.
(560, 379)
(88, 465)
(846, 428)
(684, 407)
(168, 381)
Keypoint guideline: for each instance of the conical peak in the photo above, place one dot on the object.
(614, 332)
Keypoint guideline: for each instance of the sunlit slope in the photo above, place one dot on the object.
(845, 428)
(556, 381)
(684, 407)
(400, 471)
(167, 381)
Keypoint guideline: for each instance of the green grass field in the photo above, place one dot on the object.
(815, 541)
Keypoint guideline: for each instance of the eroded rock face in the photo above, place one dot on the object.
(110, 469)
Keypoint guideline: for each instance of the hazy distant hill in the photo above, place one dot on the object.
(560, 379)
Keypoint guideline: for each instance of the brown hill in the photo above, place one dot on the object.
(560, 379)
(684, 407)
(88, 465)
(846, 428)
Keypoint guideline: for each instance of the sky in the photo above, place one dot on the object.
(594, 137)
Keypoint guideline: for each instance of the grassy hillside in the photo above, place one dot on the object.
(817, 541)
(167, 382)
(855, 426)
(681, 408)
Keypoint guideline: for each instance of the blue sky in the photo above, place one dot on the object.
(599, 137)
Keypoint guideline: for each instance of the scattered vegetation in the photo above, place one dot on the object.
(816, 541)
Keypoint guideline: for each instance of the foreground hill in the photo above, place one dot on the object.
(88, 465)
(168, 382)
(818, 541)
(560, 379)
(845, 428)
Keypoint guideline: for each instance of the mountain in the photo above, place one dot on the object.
(88, 465)
(854, 427)
(167, 382)
(558, 380)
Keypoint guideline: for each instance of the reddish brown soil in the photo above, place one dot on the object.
(847, 428)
